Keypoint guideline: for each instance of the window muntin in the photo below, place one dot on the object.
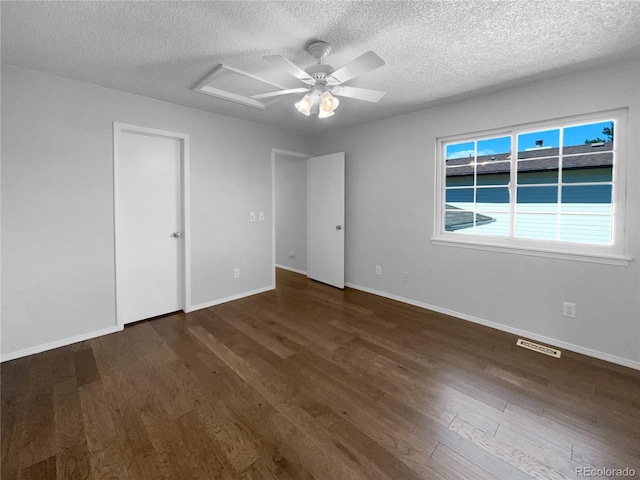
(477, 186)
(558, 189)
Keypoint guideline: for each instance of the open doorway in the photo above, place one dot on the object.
(290, 210)
(308, 206)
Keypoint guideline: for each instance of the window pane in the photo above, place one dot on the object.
(460, 177)
(543, 170)
(551, 183)
(537, 199)
(583, 174)
(492, 199)
(536, 226)
(460, 196)
(467, 164)
(494, 161)
(460, 150)
(586, 229)
(493, 223)
(467, 229)
(500, 147)
(457, 220)
(599, 134)
(494, 173)
(587, 198)
(538, 144)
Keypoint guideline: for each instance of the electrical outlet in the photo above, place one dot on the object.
(252, 216)
(236, 273)
(569, 309)
(378, 270)
(405, 276)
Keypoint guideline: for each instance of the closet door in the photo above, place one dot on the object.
(149, 236)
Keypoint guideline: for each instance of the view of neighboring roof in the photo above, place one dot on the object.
(538, 159)
(457, 219)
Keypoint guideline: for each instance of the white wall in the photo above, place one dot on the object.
(390, 183)
(57, 212)
(58, 279)
(291, 211)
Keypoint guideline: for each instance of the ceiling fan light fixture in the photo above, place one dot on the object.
(305, 104)
(328, 102)
(325, 113)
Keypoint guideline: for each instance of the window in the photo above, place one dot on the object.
(552, 188)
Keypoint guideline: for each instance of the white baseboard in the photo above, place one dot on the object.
(58, 343)
(505, 328)
(291, 269)
(105, 331)
(231, 298)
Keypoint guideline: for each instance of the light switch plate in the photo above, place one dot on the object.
(252, 216)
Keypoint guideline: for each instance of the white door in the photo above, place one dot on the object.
(326, 219)
(148, 230)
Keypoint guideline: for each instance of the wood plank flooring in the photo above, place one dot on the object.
(310, 382)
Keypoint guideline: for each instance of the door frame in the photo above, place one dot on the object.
(302, 156)
(120, 129)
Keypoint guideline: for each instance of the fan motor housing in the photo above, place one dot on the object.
(319, 71)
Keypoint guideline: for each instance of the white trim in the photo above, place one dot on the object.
(614, 254)
(213, 303)
(618, 260)
(308, 213)
(186, 224)
(59, 343)
(185, 184)
(505, 328)
(274, 153)
(291, 269)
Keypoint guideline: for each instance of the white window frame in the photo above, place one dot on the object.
(614, 254)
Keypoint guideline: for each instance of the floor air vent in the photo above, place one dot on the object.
(538, 348)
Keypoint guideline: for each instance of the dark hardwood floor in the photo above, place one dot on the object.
(312, 382)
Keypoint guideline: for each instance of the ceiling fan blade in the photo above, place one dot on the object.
(284, 64)
(280, 92)
(365, 94)
(363, 64)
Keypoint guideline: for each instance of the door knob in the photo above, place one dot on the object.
(338, 227)
(176, 234)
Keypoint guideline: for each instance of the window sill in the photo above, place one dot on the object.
(606, 259)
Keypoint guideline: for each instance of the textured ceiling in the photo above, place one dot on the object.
(434, 51)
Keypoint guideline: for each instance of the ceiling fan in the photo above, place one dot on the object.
(323, 81)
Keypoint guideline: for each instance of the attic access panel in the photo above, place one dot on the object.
(237, 86)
